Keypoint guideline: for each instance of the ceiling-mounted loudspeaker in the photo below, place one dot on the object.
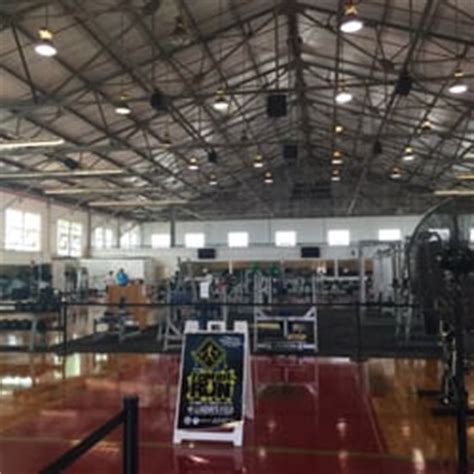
(212, 156)
(378, 148)
(404, 83)
(290, 151)
(276, 105)
(158, 101)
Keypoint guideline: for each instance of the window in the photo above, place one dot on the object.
(69, 238)
(238, 239)
(160, 241)
(390, 234)
(103, 238)
(194, 240)
(471, 235)
(22, 231)
(130, 239)
(443, 233)
(285, 238)
(338, 237)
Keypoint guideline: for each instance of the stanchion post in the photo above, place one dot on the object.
(65, 318)
(130, 435)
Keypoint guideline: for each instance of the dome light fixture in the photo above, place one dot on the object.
(45, 46)
(122, 107)
(426, 126)
(396, 173)
(343, 96)
(258, 161)
(166, 140)
(212, 180)
(408, 154)
(458, 85)
(193, 164)
(268, 178)
(337, 158)
(336, 176)
(221, 103)
(339, 129)
(350, 22)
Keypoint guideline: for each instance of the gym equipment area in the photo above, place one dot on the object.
(236, 237)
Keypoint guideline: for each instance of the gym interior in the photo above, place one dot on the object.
(236, 237)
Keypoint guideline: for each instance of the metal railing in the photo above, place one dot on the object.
(128, 416)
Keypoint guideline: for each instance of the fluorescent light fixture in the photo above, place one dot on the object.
(408, 154)
(59, 174)
(137, 203)
(221, 102)
(45, 46)
(268, 179)
(122, 107)
(465, 176)
(72, 190)
(343, 96)
(193, 164)
(350, 22)
(14, 145)
(258, 161)
(337, 158)
(458, 86)
(454, 192)
(212, 180)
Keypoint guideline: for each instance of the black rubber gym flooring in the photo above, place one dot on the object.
(339, 336)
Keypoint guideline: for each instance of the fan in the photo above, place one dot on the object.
(441, 264)
(441, 271)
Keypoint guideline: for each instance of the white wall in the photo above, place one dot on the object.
(309, 231)
(261, 238)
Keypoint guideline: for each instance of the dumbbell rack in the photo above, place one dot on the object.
(14, 321)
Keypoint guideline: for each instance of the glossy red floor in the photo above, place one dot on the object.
(312, 416)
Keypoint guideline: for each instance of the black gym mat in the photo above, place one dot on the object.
(338, 337)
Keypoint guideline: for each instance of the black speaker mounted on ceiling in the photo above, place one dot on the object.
(212, 156)
(206, 254)
(276, 105)
(310, 252)
(404, 83)
(158, 101)
(290, 151)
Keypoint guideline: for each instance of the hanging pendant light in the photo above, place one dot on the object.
(213, 180)
(458, 86)
(122, 107)
(426, 126)
(268, 178)
(180, 35)
(336, 176)
(45, 46)
(343, 96)
(408, 154)
(258, 161)
(193, 164)
(166, 141)
(337, 158)
(350, 22)
(396, 173)
(221, 102)
(339, 129)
